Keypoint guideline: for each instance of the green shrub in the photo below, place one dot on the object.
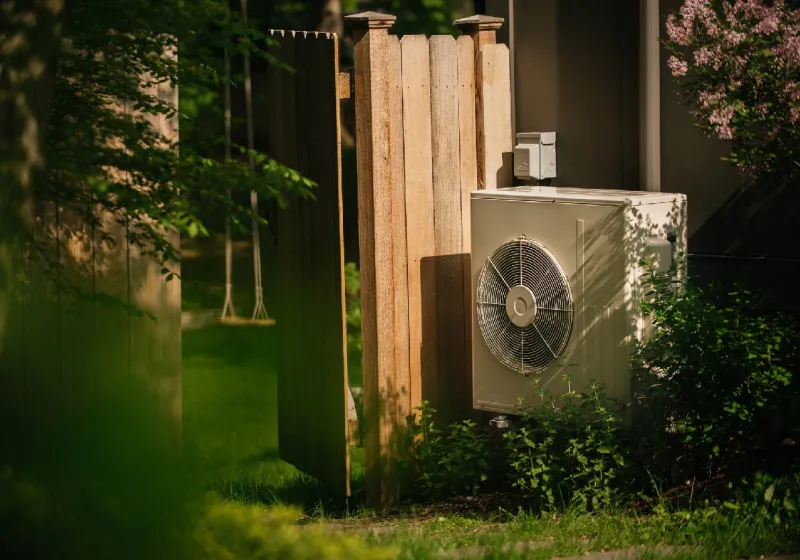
(238, 532)
(717, 390)
(563, 451)
(455, 462)
(567, 450)
(716, 401)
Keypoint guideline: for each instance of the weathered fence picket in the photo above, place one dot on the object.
(414, 182)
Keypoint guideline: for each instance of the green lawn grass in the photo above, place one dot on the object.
(231, 418)
(230, 413)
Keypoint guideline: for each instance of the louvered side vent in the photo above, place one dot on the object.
(525, 306)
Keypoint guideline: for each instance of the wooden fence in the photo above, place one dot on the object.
(307, 287)
(433, 124)
(68, 337)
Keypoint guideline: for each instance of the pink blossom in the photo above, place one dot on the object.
(788, 52)
(702, 56)
(677, 66)
(733, 38)
(678, 33)
(794, 115)
(768, 25)
(708, 98)
(721, 118)
(792, 91)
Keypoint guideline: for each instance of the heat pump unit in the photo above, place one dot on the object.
(557, 283)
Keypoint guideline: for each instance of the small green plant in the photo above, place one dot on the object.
(567, 450)
(455, 462)
(717, 388)
(562, 452)
(352, 290)
(776, 499)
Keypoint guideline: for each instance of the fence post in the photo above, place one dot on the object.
(489, 118)
(383, 250)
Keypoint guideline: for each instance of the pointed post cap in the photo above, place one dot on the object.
(370, 20)
(479, 22)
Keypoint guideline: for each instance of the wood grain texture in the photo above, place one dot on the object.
(419, 205)
(467, 104)
(383, 255)
(309, 302)
(445, 145)
(467, 132)
(397, 397)
(494, 117)
(368, 94)
(448, 233)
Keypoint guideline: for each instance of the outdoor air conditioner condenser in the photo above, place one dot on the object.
(556, 281)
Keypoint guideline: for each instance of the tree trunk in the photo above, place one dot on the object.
(332, 19)
(29, 39)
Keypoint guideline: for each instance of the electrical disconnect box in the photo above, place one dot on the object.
(535, 155)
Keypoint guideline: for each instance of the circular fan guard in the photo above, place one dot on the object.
(525, 308)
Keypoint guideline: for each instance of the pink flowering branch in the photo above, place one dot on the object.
(738, 62)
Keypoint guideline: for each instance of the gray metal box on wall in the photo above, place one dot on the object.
(535, 155)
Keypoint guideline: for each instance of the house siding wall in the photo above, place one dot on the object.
(576, 73)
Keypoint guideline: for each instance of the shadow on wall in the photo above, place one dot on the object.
(445, 351)
(753, 238)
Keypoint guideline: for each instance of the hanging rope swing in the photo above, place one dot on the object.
(228, 315)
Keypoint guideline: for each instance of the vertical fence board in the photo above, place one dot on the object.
(372, 217)
(382, 234)
(284, 146)
(448, 267)
(76, 319)
(397, 394)
(419, 211)
(44, 376)
(171, 335)
(446, 149)
(467, 138)
(469, 174)
(13, 350)
(155, 336)
(494, 118)
(312, 363)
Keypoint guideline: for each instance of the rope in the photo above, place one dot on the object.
(227, 308)
(259, 311)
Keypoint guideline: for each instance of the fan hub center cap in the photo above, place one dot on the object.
(521, 306)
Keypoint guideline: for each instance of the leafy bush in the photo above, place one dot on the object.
(738, 63)
(237, 532)
(455, 462)
(567, 450)
(561, 452)
(717, 386)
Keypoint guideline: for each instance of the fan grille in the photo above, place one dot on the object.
(518, 267)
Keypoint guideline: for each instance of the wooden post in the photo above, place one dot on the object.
(483, 30)
(383, 250)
